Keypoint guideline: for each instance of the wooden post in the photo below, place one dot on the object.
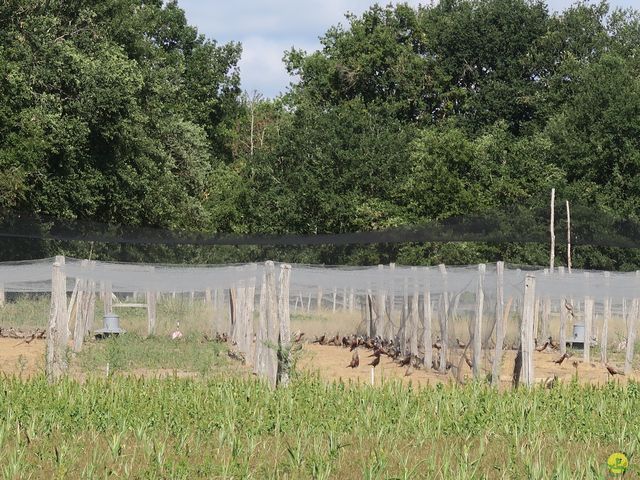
(271, 317)
(320, 293)
(351, 300)
(108, 297)
(207, 296)
(552, 255)
(526, 330)
(477, 325)
(588, 324)
(444, 320)
(91, 310)
(56, 360)
(381, 327)
(632, 319)
(392, 300)
(546, 316)
(335, 295)
(413, 342)
(500, 324)
(232, 312)
(426, 333)
(371, 329)
(2, 295)
(309, 303)
(259, 366)
(606, 318)
(284, 347)
(151, 313)
(563, 319)
(344, 299)
(568, 238)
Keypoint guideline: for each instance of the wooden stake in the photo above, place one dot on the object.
(477, 324)
(568, 238)
(632, 319)
(56, 359)
(526, 330)
(426, 335)
(271, 353)
(588, 327)
(606, 318)
(151, 313)
(284, 347)
(413, 342)
(552, 255)
(444, 320)
(500, 323)
(563, 319)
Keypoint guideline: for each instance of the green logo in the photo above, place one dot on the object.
(617, 463)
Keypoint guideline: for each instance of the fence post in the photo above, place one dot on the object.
(151, 310)
(477, 325)
(444, 320)
(500, 324)
(606, 318)
(563, 319)
(56, 361)
(284, 339)
(426, 334)
(272, 324)
(526, 329)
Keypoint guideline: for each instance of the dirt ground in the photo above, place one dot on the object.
(19, 358)
(331, 364)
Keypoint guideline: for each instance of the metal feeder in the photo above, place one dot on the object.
(578, 335)
(111, 326)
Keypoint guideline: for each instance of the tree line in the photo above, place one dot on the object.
(121, 112)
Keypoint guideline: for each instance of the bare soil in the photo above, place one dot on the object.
(20, 358)
(330, 363)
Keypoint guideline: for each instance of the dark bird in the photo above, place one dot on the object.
(569, 308)
(460, 344)
(355, 360)
(345, 342)
(543, 347)
(369, 343)
(613, 370)
(409, 371)
(575, 364)
(437, 346)
(466, 359)
(405, 361)
(551, 382)
(354, 344)
(298, 336)
(375, 361)
(320, 340)
(41, 334)
(553, 344)
(562, 358)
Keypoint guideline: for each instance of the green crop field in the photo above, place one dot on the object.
(224, 426)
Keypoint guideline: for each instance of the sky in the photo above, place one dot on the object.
(266, 28)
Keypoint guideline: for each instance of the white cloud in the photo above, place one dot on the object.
(266, 28)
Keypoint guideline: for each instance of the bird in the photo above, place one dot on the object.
(409, 371)
(320, 340)
(345, 342)
(562, 358)
(176, 334)
(460, 344)
(375, 361)
(437, 345)
(405, 361)
(355, 360)
(466, 359)
(613, 370)
(551, 382)
(553, 344)
(543, 347)
(354, 344)
(575, 364)
(298, 336)
(569, 308)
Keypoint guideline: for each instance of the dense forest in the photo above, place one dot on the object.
(120, 112)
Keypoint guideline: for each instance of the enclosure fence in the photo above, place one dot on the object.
(438, 314)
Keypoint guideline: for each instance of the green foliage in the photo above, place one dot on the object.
(121, 112)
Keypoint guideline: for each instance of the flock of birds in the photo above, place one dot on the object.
(379, 347)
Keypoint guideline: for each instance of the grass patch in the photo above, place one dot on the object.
(130, 352)
(239, 428)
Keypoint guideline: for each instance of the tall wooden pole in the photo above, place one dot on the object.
(500, 320)
(284, 339)
(568, 238)
(552, 255)
(477, 325)
(526, 330)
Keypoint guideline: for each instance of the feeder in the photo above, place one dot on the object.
(578, 335)
(111, 326)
